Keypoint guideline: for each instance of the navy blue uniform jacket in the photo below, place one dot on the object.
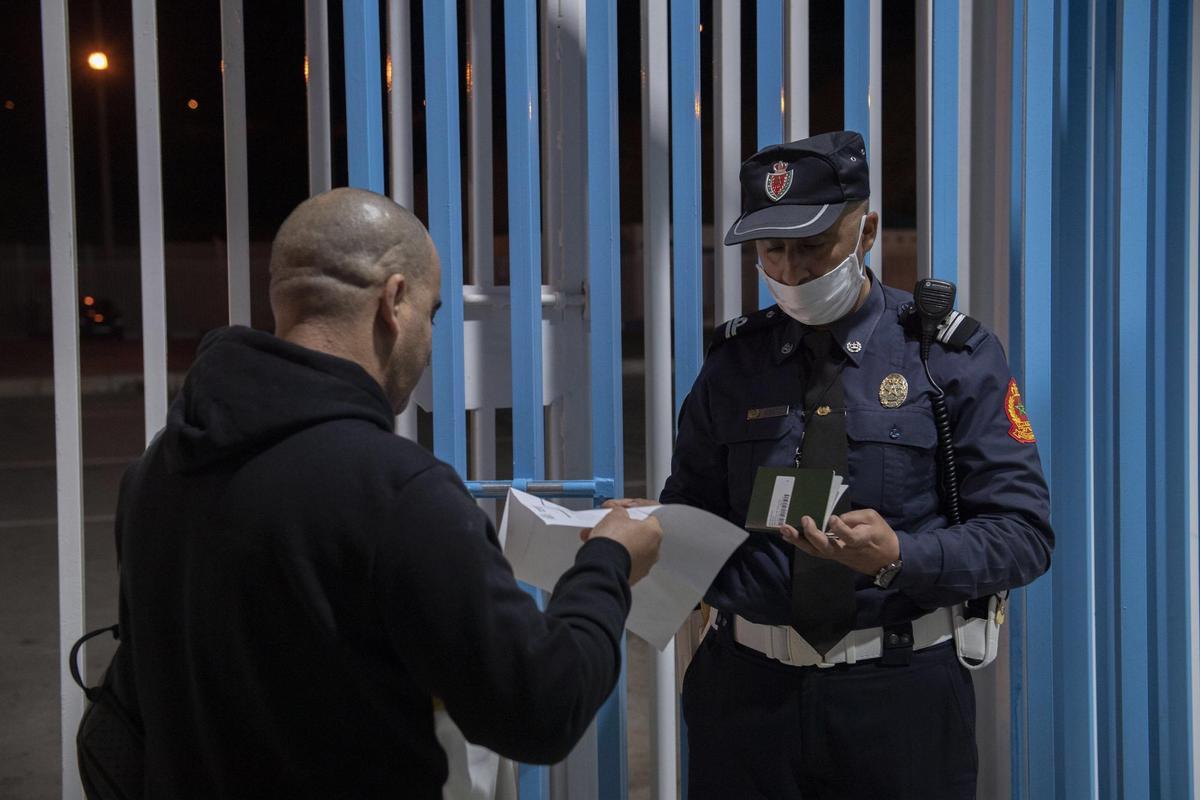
(1005, 540)
(298, 583)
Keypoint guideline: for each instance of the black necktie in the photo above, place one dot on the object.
(823, 603)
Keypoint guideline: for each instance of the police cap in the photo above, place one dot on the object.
(799, 189)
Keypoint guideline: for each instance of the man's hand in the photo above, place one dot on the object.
(629, 502)
(862, 540)
(641, 538)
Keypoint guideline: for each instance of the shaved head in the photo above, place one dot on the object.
(355, 275)
(334, 249)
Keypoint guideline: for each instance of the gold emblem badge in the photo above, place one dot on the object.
(893, 391)
(824, 411)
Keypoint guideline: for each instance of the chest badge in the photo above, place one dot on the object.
(893, 391)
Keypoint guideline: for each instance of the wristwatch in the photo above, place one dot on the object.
(888, 574)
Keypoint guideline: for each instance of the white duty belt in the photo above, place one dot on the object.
(783, 644)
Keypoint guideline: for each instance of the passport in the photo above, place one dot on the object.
(786, 494)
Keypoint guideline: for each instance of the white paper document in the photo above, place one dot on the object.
(541, 539)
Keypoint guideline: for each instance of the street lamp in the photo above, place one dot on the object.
(98, 60)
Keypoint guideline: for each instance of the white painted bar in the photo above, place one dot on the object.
(150, 214)
(656, 269)
(796, 76)
(479, 141)
(924, 103)
(316, 75)
(237, 203)
(875, 114)
(68, 445)
(400, 138)
(727, 143)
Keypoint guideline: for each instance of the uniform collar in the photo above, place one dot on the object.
(852, 332)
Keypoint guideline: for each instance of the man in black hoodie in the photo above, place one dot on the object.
(299, 585)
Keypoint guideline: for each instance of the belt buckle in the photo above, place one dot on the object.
(803, 654)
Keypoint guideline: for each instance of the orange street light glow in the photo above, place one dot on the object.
(192, 104)
(98, 61)
(10, 105)
(89, 301)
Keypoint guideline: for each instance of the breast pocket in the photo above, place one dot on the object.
(893, 460)
(752, 444)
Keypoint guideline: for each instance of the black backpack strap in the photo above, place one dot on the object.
(73, 658)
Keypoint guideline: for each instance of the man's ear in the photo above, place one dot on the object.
(394, 294)
(870, 231)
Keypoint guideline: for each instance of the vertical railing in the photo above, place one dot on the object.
(604, 281)
(444, 166)
(364, 111)
(727, 155)
(770, 100)
(316, 77)
(68, 444)
(656, 269)
(525, 269)
(237, 202)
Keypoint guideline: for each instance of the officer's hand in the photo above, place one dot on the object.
(641, 538)
(862, 540)
(629, 502)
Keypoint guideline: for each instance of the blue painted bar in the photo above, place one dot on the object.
(444, 160)
(944, 134)
(1073, 683)
(685, 194)
(604, 282)
(1104, 183)
(1016, 328)
(770, 30)
(1038, 230)
(364, 96)
(525, 281)
(1134, 354)
(1172, 772)
(589, 489)
(856, 88)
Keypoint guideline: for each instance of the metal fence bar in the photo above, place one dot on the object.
(400, 139)
(944, 141)
(656, 268)
(727, 158)
(524, 247)
(1134, 432)
(68, 445)
(797, 94)
(1037, 242)
(875, 126)
(769, 30)
(604, 280)
(364, 112)
(444, 160)
(1192, 350)
(150, 215)
(316, 77)
(1171, 770)
(858, 38)
(237, 203)
(685, 194)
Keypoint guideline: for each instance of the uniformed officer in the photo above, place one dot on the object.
(830, 668)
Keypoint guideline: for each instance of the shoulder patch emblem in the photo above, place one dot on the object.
(1019, 427)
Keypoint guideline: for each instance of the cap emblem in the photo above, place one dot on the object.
(779, 180)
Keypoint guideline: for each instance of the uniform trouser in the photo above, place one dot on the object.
(760, 729)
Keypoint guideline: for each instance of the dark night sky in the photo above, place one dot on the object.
(192, 140)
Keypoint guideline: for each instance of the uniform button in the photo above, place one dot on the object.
(787, 348)
(893, 638)
(894, 432)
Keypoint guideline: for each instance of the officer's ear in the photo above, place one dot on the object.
(392, 296)
(870, 231)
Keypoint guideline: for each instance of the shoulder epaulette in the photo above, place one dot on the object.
(954, 331)
(760, 320)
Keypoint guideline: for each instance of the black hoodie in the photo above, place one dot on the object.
(298, 583)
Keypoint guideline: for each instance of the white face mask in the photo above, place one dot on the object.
(827, 298)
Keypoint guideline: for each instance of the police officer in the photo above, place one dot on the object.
(830, 667)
